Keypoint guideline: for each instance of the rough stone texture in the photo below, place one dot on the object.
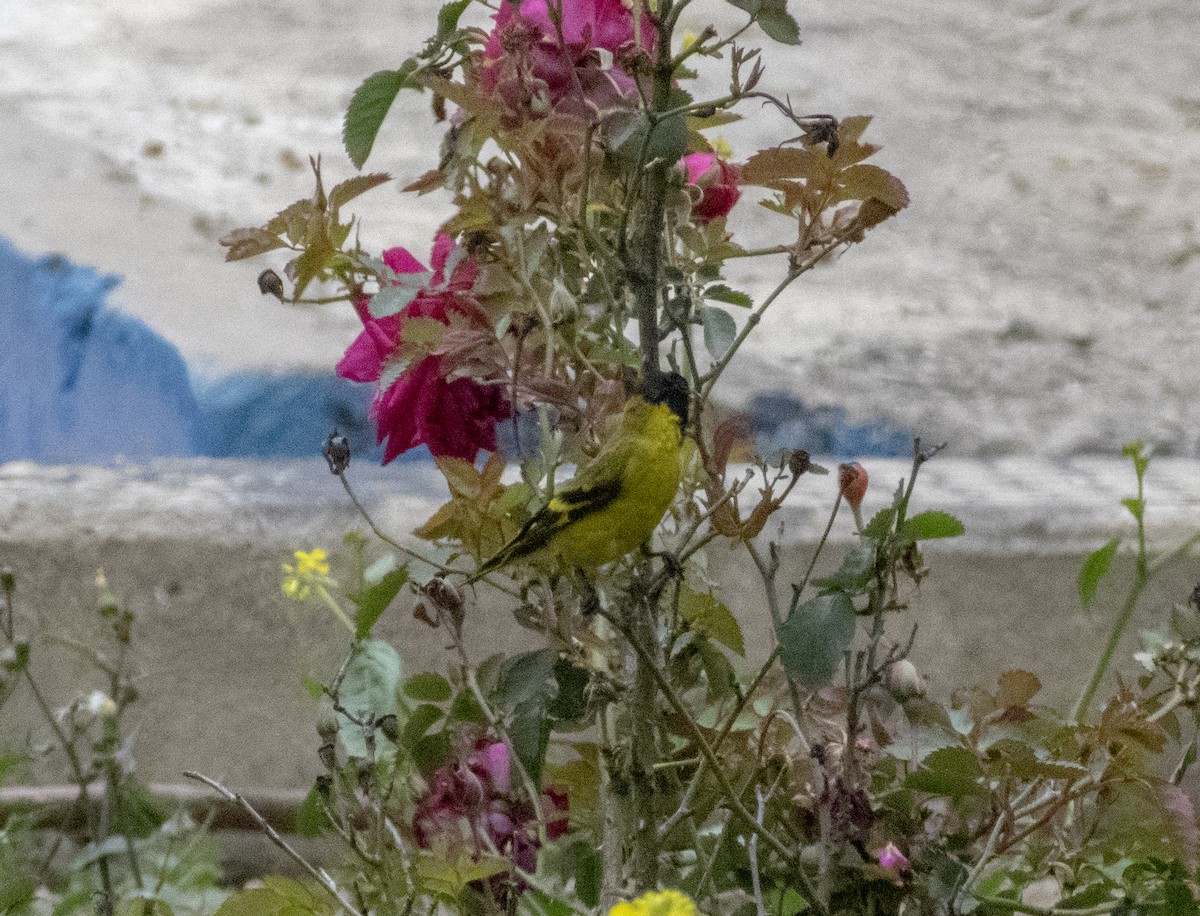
(194, 548)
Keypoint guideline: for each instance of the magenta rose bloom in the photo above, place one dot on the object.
(420, 406)
(717, 181)
(470, 804)
(524, 59)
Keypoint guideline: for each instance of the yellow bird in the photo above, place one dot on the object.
(614, 503)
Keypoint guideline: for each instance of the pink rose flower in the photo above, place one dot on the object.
(472, 801)
(717, 181)
(421, 406)
(527, 65)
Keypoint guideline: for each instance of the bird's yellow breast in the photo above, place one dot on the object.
(650, 480)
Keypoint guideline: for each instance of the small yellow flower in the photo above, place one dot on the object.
(312, 563)
(689, 38)
(721, 147)
(311, 568)
(657, 903)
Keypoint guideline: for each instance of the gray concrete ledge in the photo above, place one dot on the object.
(1009, 505)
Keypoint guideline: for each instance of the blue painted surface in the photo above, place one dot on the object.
(82, 382)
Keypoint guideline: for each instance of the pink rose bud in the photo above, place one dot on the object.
(717, 181)
(852, 481)
(891, 857)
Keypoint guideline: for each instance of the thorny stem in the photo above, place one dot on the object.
(732, 795)
(408, 552)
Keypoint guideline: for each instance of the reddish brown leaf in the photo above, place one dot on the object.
(866, 182)
(350, 188)
(1017, 688)
(247, 243)
(430, 181)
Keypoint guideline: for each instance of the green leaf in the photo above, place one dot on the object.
(722, 293)
(704, 613)
(1136, 507)
(427, 686)
(858, 565)
(570, 703)
(925, 526)
(448, 17)
(368, 689)
(278, 897)
(880, 524)
(431, 753)
(528, 677)
(369, 107)
(344, 192)
(529, 732)
(423, 718)
(376, 599)
(1095, 568)
(952, 771)
(777, 22)
(813, 638)
(773, 18)
(720, 330)
(310, 817)
(583, 861)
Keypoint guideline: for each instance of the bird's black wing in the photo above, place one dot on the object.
(567, 507)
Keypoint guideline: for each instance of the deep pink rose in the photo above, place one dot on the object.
(717, 181)
(525, 61)
(472, 801)
(421, 406)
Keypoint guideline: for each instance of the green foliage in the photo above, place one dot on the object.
(279, 897)
(815, 636)
(1095, 568)
(370, 105)
(367, 693)
(376, 599)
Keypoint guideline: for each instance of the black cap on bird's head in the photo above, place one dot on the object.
(669, 389)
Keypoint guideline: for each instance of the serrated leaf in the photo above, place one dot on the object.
(370, 105)
(1095, 568)
(722, 293)
(376, 599)
(925, 526)
(813, 638)
(368, 689)
(427, 686)
(952, 771)
(345, 191)
(248, 243)
(448, 17)
(720, 331)
(880, 524)
(703, 612)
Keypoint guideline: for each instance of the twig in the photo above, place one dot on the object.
(318, 874)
